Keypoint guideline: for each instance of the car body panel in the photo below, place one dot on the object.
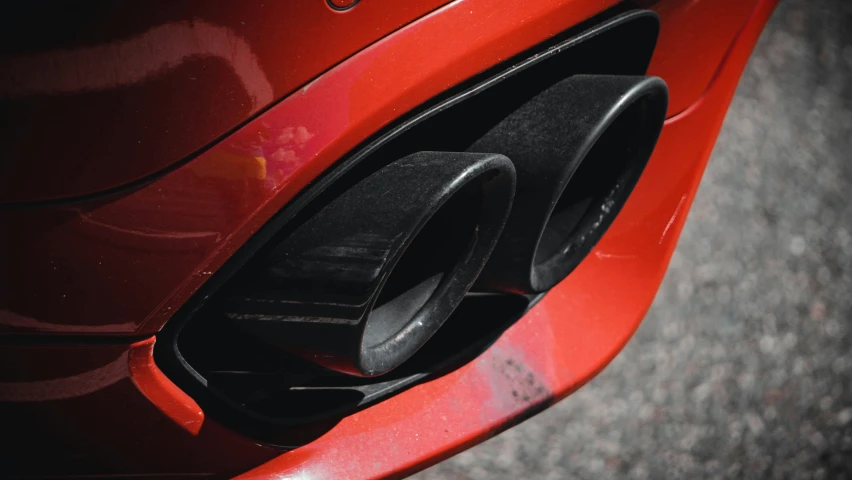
(694, 39)
(105, 95)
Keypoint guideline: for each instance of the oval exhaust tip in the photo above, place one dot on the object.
(579, 148)
(361, 285)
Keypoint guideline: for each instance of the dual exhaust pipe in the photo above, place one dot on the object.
(361, 285)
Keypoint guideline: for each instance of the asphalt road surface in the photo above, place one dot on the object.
(743, 367)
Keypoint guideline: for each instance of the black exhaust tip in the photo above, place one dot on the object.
(579, 148)
(361, 285)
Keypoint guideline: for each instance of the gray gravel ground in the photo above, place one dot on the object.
(743, 367)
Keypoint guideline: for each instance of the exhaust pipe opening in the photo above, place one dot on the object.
(362, 284)
(444, 244)
(597, 188)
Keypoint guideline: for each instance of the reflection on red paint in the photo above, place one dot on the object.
(133, 60)
(104, 95)
(65, 387)
(687, 27)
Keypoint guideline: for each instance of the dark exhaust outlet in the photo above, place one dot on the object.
(365, 282)
(579, 148)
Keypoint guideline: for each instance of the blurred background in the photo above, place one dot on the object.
(743, 367)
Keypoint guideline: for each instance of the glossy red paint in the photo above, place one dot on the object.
(159, 390)
(122, 265)
(694, 38)
(106, 94)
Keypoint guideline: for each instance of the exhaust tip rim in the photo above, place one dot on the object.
(494, 176)
(647, 100)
